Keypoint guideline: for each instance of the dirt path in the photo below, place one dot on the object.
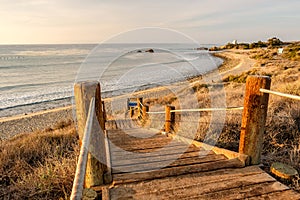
(245, 63)
(235, 63)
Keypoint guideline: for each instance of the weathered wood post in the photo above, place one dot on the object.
(254, 117)
(131, 111)
(145, 114)
(104, 114)
(140, 107)
(84, 91)
(169, 118)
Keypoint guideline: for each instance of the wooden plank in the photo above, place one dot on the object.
(126, 139)
(135, 157)
(166, 163)
(122, 138)
(133, 177)
(229, 154)
(142, 141)
(145, 143)
(287, 194)
(193, 178)
(121, 124)
(159, 157)
(198, 183)
(228, 187)
(150, 147)
(154, 152)
(242, 191)
(134, 132)
(159, 151)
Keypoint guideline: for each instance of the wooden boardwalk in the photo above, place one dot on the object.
(149, 165)
(143, 164)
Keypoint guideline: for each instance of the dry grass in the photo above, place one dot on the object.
(39, 165)
(282, 138)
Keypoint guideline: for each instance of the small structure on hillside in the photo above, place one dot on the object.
(235, 42)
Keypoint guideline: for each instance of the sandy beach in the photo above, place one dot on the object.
(11, 126)
(26, 123)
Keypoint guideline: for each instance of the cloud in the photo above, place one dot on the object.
(98, 20)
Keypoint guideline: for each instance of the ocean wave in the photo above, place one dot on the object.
(45, 73)
(35, 103)
(12, 100)
(27, 85)
(31, 65)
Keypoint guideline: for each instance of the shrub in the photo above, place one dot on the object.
(292, 52)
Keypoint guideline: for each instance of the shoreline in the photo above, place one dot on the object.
(48, 118)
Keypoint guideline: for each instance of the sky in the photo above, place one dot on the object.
(94, 21)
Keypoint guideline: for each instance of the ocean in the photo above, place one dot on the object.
(40, 77)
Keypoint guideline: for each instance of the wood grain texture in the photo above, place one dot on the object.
(189, 171)
(254, 117)
(84, 92)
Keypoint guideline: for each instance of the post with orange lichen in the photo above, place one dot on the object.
(254, 117)
(169, 118)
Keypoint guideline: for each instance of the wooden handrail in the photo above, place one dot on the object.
(84, 92)
(77, 188)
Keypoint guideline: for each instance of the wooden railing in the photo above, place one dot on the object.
(88, 96)
(253, 118)
(83, 155)
(93, 167)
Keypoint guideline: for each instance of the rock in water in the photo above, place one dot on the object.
(150, 51)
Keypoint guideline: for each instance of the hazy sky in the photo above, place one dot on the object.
(91, 21)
